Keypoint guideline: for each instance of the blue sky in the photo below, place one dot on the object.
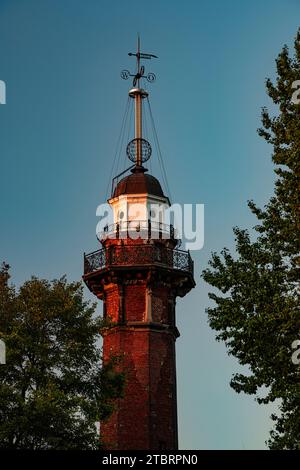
(61, 61)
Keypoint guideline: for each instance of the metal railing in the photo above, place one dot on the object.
(145, 229)
(138, 255)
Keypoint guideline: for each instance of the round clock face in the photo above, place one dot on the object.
(145, 151)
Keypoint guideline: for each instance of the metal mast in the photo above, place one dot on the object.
(138, 94)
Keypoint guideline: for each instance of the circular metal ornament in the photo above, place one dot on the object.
(145, 150)
(125, 74)
(151, 77)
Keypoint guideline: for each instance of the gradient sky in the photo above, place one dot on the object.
(61, 61)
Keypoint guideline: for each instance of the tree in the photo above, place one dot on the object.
(256, 312)
(52, 389)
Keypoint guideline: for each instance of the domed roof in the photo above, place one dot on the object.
(138, 183)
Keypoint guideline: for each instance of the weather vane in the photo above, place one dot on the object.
(125, 74)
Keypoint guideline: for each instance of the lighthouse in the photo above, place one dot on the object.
(138, 272)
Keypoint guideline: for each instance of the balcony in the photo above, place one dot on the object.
(138, 255)
(144, 229)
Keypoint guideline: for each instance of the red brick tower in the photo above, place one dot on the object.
(138, 273)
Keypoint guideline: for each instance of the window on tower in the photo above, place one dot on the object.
(121, 215)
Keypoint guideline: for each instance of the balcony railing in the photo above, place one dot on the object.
(138, 255)
(144, 229)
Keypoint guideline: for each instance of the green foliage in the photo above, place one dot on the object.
(257, 313)
(52, 388)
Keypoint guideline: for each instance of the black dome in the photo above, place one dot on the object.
(139, 183)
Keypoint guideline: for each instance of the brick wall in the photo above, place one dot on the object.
(147, 416)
